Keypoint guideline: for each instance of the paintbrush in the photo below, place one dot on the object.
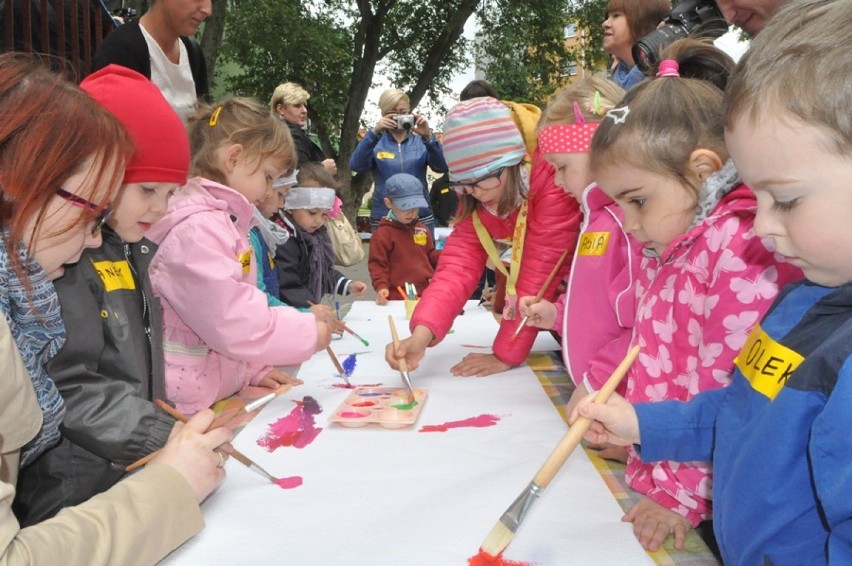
(403, 365)
(504, 531)
(541, 291)
(257, 403)
(239, 456)
(337, 365)
(346, 328)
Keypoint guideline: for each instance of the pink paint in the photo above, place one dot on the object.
(481, 421)
(353, 415)
(485, 559)
(342, 386)
(289, 483)
(298, 429)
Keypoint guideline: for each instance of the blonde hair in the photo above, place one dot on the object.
(515, 187)
(799, 68)
(390, 98)
(238, 120)
(561, 108)
(660, 122)
(288, 93)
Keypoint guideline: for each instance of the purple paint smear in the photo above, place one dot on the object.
(298, 429)
(472, 422)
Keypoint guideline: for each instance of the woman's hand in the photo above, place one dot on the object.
(412, 349)
(385, 123)
(421, 127)
(479, 365)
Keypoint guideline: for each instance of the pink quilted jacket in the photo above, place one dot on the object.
(697, 304)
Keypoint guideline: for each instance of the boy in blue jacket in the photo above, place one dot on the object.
(779, 435)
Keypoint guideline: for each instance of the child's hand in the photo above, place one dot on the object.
(323, 336)
(653, 523)
(357, 288)
(194, 453)
(479, 365)
(412, 349)
(277, 377)
(324, 313)
(615, 423)
(382, 296)
(541, 314)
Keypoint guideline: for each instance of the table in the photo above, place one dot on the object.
(372, 496)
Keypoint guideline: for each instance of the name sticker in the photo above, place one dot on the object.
(245, 260)
(115, 275)
(594, 243)
(385, 155)
(420, 237)
(766, 364)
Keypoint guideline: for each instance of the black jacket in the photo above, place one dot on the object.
(306, 150)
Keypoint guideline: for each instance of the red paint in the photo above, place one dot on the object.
(481, 421)
(298, 429)
(289, 483)
(485, 559)
(363, 404)
(342, 386)
(352, 415)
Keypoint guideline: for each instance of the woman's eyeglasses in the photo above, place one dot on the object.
(487, 183)
(102, 213)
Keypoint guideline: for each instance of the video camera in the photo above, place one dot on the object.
(686, 18)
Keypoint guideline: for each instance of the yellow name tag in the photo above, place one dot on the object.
(245, 260)
(766, 364)
(594, 243)
(385, 155)
(115, 275)
(420, 239)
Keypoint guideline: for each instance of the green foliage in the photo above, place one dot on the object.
(590, 15)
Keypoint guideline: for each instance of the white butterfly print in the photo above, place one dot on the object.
(764, 286)
(738, 327)
(656, 366)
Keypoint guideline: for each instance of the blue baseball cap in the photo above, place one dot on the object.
(405, 191)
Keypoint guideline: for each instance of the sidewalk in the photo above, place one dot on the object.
(359, 272)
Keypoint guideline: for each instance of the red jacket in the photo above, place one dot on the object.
(401, 253)
(554, 223)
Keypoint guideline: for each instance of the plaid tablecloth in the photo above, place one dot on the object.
(556, 382)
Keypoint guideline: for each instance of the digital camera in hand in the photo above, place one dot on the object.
(688, 17)
(404, 121)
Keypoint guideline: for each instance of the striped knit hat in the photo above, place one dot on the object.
(479, 138)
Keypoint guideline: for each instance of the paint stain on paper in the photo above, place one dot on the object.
(298, 429)
(344, 386)
(485, 559)
(481, 421)
(289, 483)
(349, 365)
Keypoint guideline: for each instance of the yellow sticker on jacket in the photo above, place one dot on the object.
(420, 238)
(245, 260)
(765, 363)
(594, 243)
(385, 155)
(115, 275)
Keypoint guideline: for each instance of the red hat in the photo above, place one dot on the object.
(162, 144)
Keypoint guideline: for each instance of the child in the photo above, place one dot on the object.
(499, 201)
(220, 333)
(305, 262)
(111, 367)
(595, 315)
(53, 208)
(706, 279)
(266, 236)
(402, 249)
(779, 435)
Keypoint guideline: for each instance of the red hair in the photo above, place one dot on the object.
(49, 130)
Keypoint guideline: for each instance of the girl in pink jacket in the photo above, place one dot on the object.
(706, 279)
(501, 204)
(595, 315)
(220, 335)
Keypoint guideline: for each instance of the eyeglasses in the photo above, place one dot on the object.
(487, 183)
(103, 213)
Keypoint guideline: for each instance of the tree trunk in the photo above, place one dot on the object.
(214, 33)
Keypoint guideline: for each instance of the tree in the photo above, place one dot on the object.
(590, 15)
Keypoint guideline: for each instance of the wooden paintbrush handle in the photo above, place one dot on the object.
(575, 434)
(334, 360)
(550, 277)
(403, 365)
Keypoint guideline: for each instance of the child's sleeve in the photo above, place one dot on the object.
(381, 248)
(341, 283)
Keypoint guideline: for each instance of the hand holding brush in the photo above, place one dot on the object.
(542, 290)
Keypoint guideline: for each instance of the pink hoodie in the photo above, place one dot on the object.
(595, 315)
(219, 333)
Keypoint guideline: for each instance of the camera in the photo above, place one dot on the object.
(687, 17)
(404, 121)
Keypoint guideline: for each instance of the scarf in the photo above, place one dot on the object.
(39, 333)
(320, 262)
(273, 234)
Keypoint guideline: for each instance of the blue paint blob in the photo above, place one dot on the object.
(349, 364)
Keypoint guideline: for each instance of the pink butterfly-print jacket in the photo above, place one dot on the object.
(697, 304)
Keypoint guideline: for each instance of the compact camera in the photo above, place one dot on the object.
(404, 121)
(687, 17)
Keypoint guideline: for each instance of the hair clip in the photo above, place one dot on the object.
(618, 115)
(214, 118)
(668, 68)
(597, 105)
(579, 119)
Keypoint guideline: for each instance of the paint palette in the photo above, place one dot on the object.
(384, 406)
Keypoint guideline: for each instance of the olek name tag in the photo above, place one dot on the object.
(245, 260)
(594, 243)
(385, 155)
(766, 364)
(115, 275)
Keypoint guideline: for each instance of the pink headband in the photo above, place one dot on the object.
(567, 138)
(668, 68)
